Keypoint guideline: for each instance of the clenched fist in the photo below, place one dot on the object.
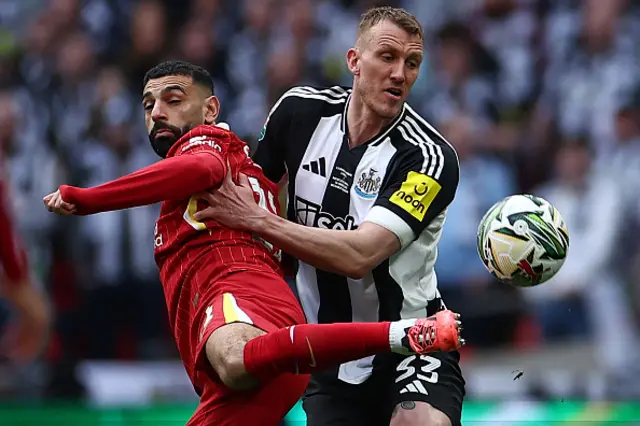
(57, 205)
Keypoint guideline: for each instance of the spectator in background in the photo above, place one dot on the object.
(506, 29)
(459, 85)
(624, 158)
(585, 298)
(585, 91)
(74, 90)
(121, 278)
(247, 66)
(148, 40)
(197, 44)
(18, 285)
(624, 161)
(484, 180)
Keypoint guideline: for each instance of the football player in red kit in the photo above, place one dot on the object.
(29, 332)
(32, 323)
(239, 329)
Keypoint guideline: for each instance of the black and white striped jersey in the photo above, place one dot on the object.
(403, 180)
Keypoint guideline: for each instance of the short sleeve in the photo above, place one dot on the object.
(272, 141)
(419, 187)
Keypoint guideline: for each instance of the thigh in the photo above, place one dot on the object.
(330, 402)
(251, 297)
(263, 406)
(435, 379)
(244, 300)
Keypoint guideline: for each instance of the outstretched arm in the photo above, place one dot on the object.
(174, 178)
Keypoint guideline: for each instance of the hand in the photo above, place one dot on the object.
(57, 205)
(232, 205)
(30, 333)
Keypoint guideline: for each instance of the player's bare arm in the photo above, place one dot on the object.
(350, 253)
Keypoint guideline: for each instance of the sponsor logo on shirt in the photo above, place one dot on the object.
(416, 194)
(201, 140)
(311, 214)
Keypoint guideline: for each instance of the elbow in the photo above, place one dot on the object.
(211, 172)
(357, 268)
(355, 273)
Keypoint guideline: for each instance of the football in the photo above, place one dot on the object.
(523, 240)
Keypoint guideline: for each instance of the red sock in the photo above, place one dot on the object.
(306, 348)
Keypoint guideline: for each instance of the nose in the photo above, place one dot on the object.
(397, 72)
(158, 112)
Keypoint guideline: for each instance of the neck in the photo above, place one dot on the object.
(362, 122)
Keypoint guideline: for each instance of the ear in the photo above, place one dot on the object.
(211, 110)
(353, 61)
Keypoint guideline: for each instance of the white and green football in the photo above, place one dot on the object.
(523, 240)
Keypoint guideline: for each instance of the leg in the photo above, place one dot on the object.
(243, 355)
(331, 402)
(418, 413)
(264, 406)
(429, 390)
(309, 348)
(225, 352)
(239, 350)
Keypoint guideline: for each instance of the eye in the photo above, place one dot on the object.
(413, 65)
(387, 57)
(148, 107)
(174, 101)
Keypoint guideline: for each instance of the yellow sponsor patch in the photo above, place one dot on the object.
(416, 194)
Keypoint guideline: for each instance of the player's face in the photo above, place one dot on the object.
(386, 65)
(173, 105)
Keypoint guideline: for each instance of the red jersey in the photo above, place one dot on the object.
(13, 257)
(192, 256)
(181, 241)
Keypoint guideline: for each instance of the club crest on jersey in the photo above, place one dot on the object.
(369, 184)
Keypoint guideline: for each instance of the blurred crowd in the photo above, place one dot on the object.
(538, 96)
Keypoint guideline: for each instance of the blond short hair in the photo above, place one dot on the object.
(397, 15)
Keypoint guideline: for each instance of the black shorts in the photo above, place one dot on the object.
(435, 379)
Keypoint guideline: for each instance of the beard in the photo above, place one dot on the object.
(162, 144)
(376, 102)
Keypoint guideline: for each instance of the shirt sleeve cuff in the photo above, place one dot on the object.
(391, 221)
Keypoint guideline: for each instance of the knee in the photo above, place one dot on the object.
(225, 352)
(410, 413)
(228, 363)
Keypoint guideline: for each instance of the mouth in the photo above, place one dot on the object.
(394, 93)
(164, 133)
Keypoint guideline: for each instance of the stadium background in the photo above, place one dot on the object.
(537, 96)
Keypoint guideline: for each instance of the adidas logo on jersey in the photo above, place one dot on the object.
(415, 387)
(318, 167)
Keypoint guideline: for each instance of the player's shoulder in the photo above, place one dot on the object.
(313, 98)
(418, 141)
(215, 137)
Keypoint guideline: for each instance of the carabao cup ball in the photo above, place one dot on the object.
(523, 240)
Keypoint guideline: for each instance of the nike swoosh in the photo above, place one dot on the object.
(313, 363)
